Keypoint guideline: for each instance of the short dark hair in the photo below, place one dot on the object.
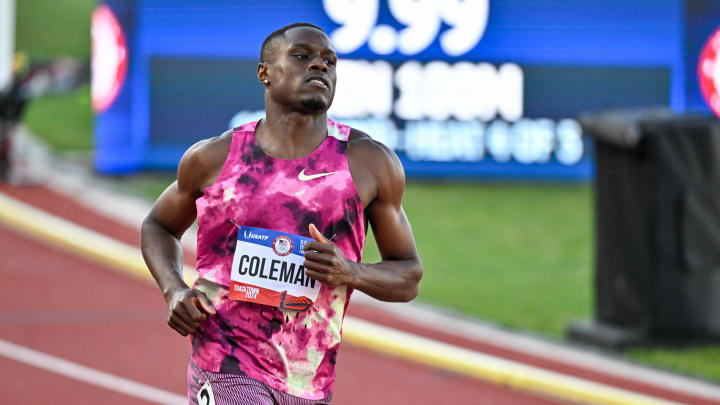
(280, 33)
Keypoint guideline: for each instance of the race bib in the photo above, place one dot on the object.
(268, 269)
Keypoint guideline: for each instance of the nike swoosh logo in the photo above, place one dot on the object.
(305, 177)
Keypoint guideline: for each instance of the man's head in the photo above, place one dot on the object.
(297, 67)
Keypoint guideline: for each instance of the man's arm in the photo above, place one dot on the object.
(397, 276)
(171, 215)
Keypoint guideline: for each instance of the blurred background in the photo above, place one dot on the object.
(480, 99)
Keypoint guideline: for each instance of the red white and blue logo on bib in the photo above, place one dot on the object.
(282, 245)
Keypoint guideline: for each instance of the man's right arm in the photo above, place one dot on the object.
(171, 215)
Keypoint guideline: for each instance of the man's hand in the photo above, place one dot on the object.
(325, 262)
(188, 308)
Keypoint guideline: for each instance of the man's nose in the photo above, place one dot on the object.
(318, 64)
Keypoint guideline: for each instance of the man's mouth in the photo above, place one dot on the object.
(319, 81)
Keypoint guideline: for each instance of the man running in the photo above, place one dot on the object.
(266, 187)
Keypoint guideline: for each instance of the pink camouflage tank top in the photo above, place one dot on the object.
(294, 352)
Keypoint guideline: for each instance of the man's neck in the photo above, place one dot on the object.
(290, 135)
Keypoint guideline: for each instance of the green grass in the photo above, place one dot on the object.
(63, 121)
(518, 254)
(54, 28)
(47, 29)
(149, 185)
(701, 361)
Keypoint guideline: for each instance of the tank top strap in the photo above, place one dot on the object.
(242, 138)
(242, 135)
(339, 131)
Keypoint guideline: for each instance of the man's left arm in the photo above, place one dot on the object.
(397, 276)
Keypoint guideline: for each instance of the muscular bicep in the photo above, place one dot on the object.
(174, 210)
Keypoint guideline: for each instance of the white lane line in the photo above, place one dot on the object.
(89, 375)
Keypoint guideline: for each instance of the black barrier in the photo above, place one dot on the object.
(657, 223)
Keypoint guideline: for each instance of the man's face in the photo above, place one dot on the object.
(302, 70)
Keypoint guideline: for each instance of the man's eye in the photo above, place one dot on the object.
(330, 61)
(301, 56)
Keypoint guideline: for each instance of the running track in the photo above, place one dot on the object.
(59, 304)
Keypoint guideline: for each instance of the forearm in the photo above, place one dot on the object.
(163, 255)
(389, 280)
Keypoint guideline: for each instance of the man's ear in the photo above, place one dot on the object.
(262, 73)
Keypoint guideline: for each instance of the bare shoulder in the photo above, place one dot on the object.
(202, 162)
(376, 153)
(374, 166)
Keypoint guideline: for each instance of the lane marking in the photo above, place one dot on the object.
(89, 375)
(102, 249)
(544, 348)
(128, 259)
(497, 370)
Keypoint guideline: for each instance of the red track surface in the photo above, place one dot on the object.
(60, 304)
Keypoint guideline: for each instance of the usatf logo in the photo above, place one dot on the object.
(282, 245)
(253, 235)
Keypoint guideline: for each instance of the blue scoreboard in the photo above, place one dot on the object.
(458, 88)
